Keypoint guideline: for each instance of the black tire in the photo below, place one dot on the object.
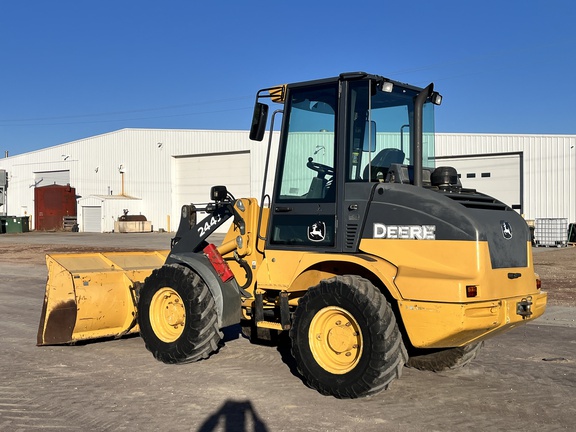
(188, 329)
(346, 358)
(444, 359)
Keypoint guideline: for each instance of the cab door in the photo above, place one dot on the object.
(303, 211)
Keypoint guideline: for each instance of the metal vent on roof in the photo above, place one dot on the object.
(475, 200)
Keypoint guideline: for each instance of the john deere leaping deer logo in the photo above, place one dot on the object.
(317, 231)
(506, 229)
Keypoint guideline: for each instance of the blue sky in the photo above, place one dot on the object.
(70, 69)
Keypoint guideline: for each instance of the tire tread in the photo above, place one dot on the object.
(445, 359)
(201, 334)
(388, 353)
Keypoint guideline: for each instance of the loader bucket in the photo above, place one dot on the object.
(93, 295)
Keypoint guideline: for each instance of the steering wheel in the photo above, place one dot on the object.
(321, 169)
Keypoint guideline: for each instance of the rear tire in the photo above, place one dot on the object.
(444, 359)
(345, 339)
(177, 315)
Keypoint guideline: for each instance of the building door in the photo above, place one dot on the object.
(91, 219)
(195, 175)
(497, 175)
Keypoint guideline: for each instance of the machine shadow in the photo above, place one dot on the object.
(234, 416)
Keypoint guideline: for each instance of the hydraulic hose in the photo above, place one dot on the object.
(247, 270)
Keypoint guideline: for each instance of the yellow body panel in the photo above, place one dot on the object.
(295, 271)
(442, 325)
(92, 295)
(440, 270)
(252, 247)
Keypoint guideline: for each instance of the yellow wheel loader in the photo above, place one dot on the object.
(370, 257)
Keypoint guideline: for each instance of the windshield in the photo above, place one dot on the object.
(381, 130)
(379, 133)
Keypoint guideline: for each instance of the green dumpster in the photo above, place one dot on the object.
(14, 224)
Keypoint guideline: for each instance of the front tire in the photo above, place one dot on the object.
(345, 339)
(177, 315)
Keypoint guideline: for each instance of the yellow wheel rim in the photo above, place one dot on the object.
(167, 315)
(335, 340)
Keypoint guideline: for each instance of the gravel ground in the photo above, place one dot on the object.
(557, 269)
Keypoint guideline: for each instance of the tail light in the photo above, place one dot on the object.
(471, 291)
(221, 266)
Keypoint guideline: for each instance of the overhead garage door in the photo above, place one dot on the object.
(91, 219)
(497, 175)
(195, 175)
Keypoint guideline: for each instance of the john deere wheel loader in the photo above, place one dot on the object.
(368, 256)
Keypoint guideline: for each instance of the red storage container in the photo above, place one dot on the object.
(51, 204)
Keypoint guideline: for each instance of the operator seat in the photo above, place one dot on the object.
(381, 163)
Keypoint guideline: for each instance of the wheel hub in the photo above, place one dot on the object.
(167, 314)
(341, 338)
(335, 340)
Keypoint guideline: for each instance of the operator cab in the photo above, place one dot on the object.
(339, 137)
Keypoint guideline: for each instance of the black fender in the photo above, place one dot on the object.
(226, 294)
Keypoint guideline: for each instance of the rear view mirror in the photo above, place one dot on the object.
(370, 137)
(259, 122)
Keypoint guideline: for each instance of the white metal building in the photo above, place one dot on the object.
(146, 171)
(534, 174)
(154, 171)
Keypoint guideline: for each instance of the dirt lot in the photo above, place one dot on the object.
(557, 269)
(524, 379)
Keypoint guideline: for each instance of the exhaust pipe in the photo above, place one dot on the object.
(418, 118)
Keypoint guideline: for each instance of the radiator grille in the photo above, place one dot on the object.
(475, 200)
